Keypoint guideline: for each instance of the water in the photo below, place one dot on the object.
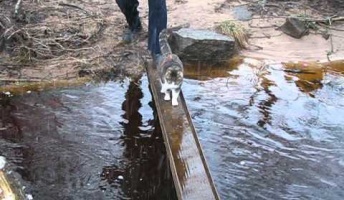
(267, 133)
(93, 142)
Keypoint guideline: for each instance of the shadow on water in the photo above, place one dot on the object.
(271, 131)
(149, 176)
(92, 142)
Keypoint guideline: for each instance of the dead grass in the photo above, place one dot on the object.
(50, 40)
(234, 30)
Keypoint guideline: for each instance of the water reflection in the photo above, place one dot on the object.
(205, 71)
(92, 142)
(177, 143)
(9, 128)
(272, 132)
(148, 177)
(309, 76)
(265, 105)
(268, 132)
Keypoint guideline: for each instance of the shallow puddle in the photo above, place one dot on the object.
(269, 131)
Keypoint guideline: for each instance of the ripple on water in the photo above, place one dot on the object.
(266, 135)
(93, 142)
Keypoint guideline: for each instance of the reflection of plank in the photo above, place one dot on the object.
(189, 168)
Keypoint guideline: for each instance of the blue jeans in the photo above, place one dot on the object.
(157, 20)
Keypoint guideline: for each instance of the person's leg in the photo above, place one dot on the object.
(157, 22)
(129, 9)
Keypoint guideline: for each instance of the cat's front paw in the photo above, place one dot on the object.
(167, 96)
(174, 102)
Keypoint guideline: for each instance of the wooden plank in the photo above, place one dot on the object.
(190, 171)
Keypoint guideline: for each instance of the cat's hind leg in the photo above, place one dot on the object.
(175, 95)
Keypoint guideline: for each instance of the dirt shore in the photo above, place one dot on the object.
(69, 39)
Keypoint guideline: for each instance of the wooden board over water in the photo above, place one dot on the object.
(190, 171)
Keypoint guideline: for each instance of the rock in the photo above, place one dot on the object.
(325, 35)
(195, 44)
(294, 27)
(242, 13)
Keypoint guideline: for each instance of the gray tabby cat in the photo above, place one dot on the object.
(170, 70)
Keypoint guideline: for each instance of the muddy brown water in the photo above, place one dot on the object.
(267, 133)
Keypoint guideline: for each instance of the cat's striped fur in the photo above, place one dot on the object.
(170, 70)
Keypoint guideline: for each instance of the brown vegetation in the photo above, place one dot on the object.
(64, 40)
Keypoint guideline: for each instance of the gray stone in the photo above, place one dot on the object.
(242, 13)
(195, 44)
(295, 27)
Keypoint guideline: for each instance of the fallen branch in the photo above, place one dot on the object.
(266, 36)
(13, 65)
(334, 19)
(268, 26)
(331, 28)
(18, 80)
(17, 7)
(76, 7)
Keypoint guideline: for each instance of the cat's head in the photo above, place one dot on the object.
(172, 69)
(174, 75)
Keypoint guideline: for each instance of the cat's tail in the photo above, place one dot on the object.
(164, 46)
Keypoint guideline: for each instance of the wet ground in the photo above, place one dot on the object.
(268, 132)
(92, 31)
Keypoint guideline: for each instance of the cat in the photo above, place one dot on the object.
(171, 70)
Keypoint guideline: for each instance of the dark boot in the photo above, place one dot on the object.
(129, 9)
(157, 58)
(130, 34)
